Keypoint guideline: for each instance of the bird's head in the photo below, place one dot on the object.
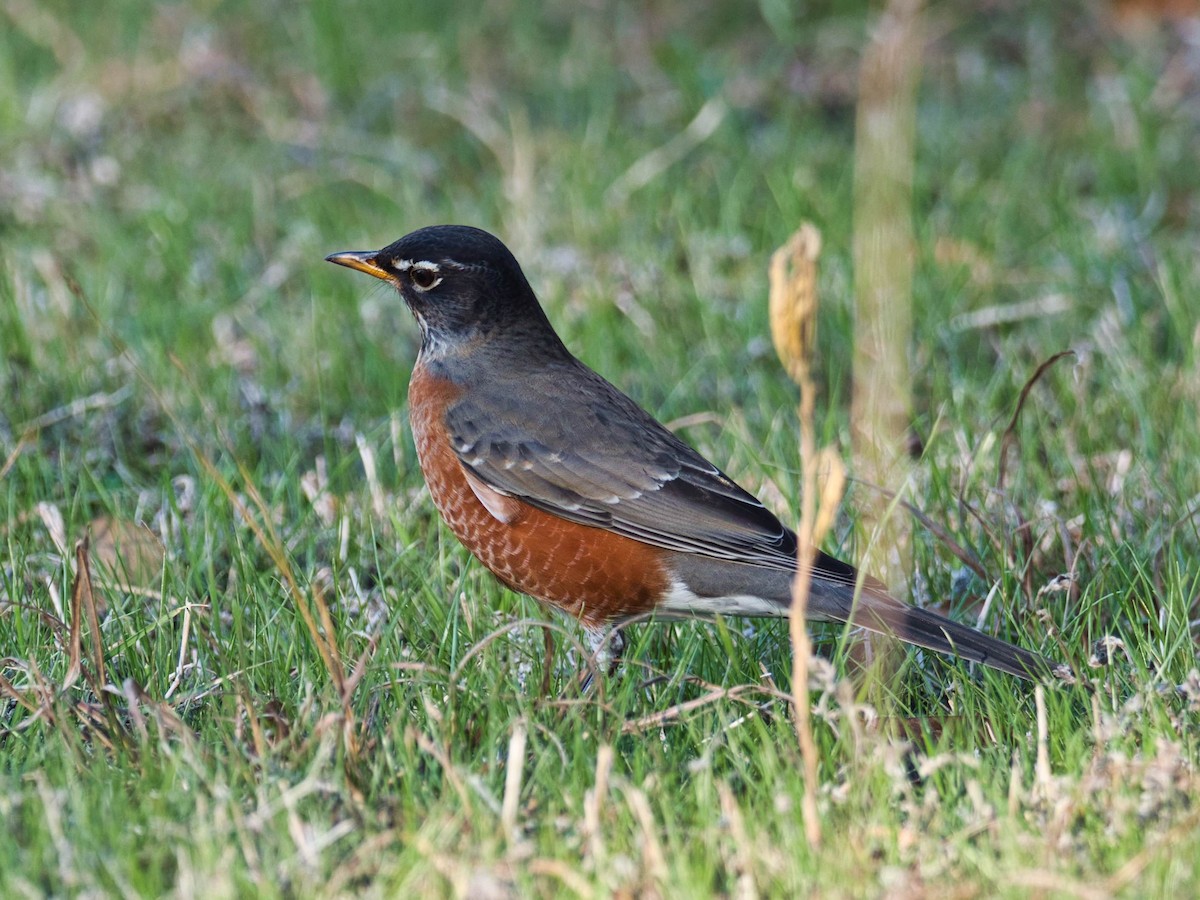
(462, 284)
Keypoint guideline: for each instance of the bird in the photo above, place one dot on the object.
(570, 492)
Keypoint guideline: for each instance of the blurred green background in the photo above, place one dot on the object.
(189, 163)
(171, 177)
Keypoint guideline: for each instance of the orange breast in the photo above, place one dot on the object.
(591, 573)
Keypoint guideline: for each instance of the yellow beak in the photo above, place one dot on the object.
(362, 260)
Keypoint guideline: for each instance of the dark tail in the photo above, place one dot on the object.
(928, 629)
(832, 598)
(740, 589)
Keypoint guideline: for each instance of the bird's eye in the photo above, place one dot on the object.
(424, 279)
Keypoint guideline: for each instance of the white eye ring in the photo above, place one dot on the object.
(425, 276)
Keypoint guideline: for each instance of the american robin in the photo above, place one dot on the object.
(570, 492)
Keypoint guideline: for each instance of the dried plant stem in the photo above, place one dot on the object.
(801, 644)
(793, 328)
(881, 404)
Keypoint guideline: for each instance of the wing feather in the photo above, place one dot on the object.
(612, 466)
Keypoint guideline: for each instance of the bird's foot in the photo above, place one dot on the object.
(606, 643)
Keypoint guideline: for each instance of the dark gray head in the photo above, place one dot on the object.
(462, 284)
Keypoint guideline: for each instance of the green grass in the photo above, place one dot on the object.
(171, 177)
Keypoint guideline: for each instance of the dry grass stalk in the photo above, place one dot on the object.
(742, 846)
(881, 399)
(593, 804)
(654, 859)
(881, 404)
(793, 306)
(513, 772)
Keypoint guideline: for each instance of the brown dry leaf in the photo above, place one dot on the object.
(793, 299)
(129, 551)
(85, 603)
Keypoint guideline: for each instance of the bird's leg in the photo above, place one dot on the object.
(607, 643)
